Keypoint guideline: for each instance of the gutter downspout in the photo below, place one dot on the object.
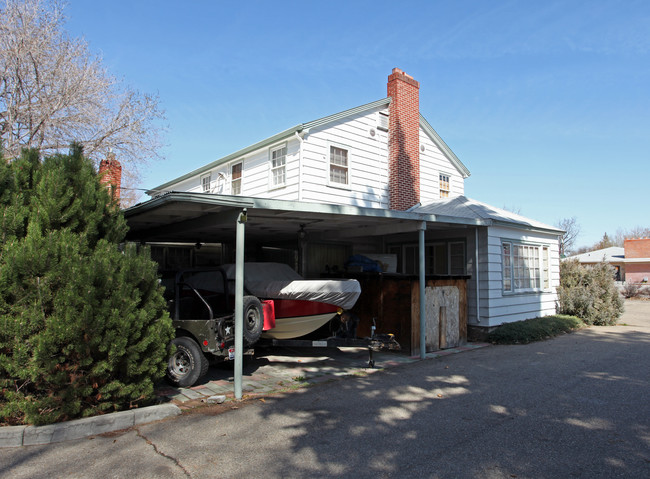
(478, 296)
(423, 318)
(300, 136)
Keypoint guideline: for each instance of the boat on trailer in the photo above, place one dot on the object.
(294, 306)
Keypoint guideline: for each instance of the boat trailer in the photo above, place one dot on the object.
(376, 342)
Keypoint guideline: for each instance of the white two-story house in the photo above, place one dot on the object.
(370, 178)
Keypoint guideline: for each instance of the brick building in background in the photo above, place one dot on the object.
(637, 260)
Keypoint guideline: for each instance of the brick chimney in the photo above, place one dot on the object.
(110, 174)
(403, 141)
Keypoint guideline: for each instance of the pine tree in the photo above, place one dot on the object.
(83, 325)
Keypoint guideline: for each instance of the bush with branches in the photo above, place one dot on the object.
(631, 290)
(83, 323)
(589, 292)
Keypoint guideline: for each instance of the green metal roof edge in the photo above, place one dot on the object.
(260, 144)
(344, 114)
(440, 143)
(527, 227)
(303, 206)
(178, 196)
(270, 140)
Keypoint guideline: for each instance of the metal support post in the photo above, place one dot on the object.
(423, 317)
(239, 303)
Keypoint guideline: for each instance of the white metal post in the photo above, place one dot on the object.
(239, 303)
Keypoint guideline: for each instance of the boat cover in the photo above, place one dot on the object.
(279, 281)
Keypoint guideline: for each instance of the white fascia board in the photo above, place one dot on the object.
(527, 227)
(440, 143)
(634, 260)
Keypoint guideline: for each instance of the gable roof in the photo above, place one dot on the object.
(464, 207)
(305, 127)
(608, 255)
(439, 142)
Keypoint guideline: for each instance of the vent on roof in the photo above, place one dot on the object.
(382, 121)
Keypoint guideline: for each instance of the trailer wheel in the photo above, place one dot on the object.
(187, 364)
(253, 320)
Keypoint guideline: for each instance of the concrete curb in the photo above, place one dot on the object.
(15, 436)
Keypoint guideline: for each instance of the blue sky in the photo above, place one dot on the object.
(547, 103)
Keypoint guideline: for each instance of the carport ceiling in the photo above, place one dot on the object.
(192, 217)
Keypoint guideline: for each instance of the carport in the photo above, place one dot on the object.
(192, 218)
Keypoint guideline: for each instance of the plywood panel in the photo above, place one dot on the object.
(393, 300)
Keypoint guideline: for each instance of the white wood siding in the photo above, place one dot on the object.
(498, 307)
(432, 163)
(367, 161)
(307, 177)
(256, 179)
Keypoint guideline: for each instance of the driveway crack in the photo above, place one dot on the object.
(162, 454)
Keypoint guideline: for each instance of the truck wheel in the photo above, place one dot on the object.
(253, 320)
(187, 364)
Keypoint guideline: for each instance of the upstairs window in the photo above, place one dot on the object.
(444, 186)
(278, 166)
(339, 169)
(206, 180)
(235, 178)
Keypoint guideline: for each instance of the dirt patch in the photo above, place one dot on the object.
(201, 406)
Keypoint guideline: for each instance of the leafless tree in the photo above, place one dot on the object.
(571, 231)
(636, 232)
(53, 91)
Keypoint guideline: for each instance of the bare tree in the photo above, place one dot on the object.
(571, 231)
(53, 91)
(636, 232)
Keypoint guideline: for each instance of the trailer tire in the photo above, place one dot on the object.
(253, 320)
(187, 364)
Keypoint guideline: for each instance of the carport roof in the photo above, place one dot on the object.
(203, 217)
(464, 207)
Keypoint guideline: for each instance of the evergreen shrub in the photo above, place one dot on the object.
(536, 329)
(589, 292)
(83, 324)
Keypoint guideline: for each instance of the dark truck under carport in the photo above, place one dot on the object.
(202, 311)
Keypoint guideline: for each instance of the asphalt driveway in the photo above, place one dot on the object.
(574, 406)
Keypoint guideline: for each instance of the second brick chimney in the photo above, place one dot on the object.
(403, 141)
(110, 174)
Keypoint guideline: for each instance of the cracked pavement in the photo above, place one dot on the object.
(574, 406)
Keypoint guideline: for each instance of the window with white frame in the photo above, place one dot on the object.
(278, 166)
(546, 274)
(339, 167)
(444, 185)
(235, 178)
(206, 180)
(525, 267)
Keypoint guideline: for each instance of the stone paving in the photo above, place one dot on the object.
(282, 369)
